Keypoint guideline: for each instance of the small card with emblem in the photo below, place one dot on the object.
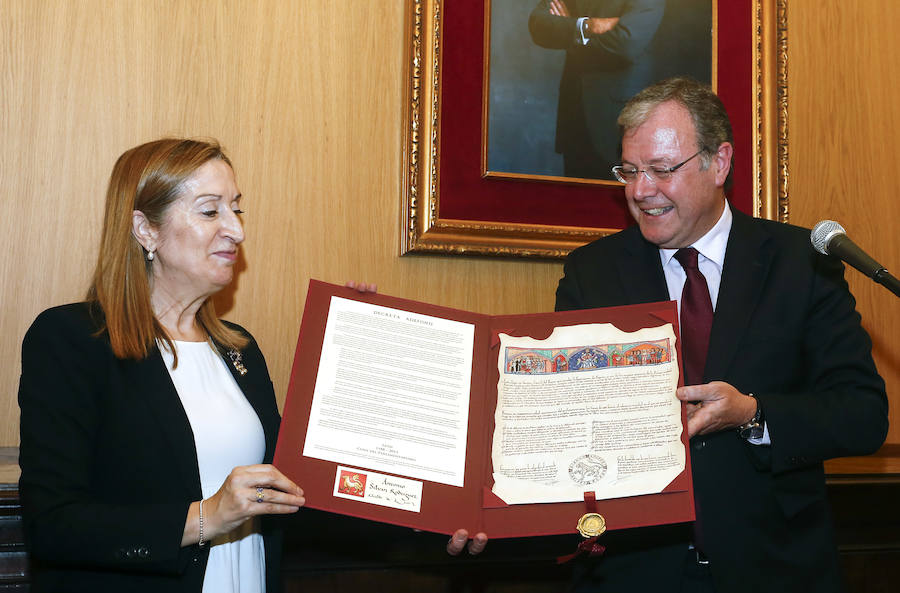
(374, 488)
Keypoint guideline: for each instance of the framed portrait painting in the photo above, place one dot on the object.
(510, 132)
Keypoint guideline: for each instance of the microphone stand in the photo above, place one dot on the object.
(884, 278)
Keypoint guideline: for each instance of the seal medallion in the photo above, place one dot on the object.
(587, 469)
(591, 525)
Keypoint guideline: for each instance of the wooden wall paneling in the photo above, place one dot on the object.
(844, 80)
(307, 106)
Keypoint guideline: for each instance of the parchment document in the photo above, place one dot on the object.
(392, 392)
(590, 408)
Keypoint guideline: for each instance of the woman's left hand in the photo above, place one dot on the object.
(248, 491)
(361, 286)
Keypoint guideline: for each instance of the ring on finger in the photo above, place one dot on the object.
(259, 494)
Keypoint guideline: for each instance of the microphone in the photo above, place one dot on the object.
(829, 238)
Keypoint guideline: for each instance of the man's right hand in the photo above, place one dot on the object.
(599, 26)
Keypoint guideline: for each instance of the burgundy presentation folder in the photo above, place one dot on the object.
(446, 508)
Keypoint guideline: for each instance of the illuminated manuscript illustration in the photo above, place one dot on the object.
(591, 408)
(586, 358)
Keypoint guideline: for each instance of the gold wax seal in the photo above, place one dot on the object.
(591, 525)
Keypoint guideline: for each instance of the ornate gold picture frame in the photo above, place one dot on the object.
(755, 59)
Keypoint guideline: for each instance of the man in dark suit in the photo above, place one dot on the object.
(785, 382)
(606, 63)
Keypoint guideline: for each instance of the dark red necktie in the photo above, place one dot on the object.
(696, 317)
(696, 323)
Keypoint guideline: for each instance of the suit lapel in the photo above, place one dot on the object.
(640, 271)
(748, 258)
(154, 386)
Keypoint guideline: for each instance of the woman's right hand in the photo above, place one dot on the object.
(248, 491)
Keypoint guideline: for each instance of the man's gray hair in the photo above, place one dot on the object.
(710, 119)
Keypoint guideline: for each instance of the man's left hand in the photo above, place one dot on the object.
(558, 8)
(715, 406)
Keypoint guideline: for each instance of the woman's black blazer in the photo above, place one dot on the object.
(109, 466)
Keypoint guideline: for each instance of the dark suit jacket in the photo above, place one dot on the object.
(786, 329)
(109, 465)
(600, 77)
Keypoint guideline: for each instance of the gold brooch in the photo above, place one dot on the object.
(236, 357)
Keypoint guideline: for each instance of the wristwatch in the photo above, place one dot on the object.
(585, 27)
(754, 428)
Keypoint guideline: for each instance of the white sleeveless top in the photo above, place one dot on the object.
(227, 433)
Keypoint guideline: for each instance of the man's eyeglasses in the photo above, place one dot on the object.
(628, 174)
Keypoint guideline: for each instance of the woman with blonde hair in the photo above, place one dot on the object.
(148, 423)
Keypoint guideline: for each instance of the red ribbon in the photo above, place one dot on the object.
(590, 545)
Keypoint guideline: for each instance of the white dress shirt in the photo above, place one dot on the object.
(711, 258)
(227, 433)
